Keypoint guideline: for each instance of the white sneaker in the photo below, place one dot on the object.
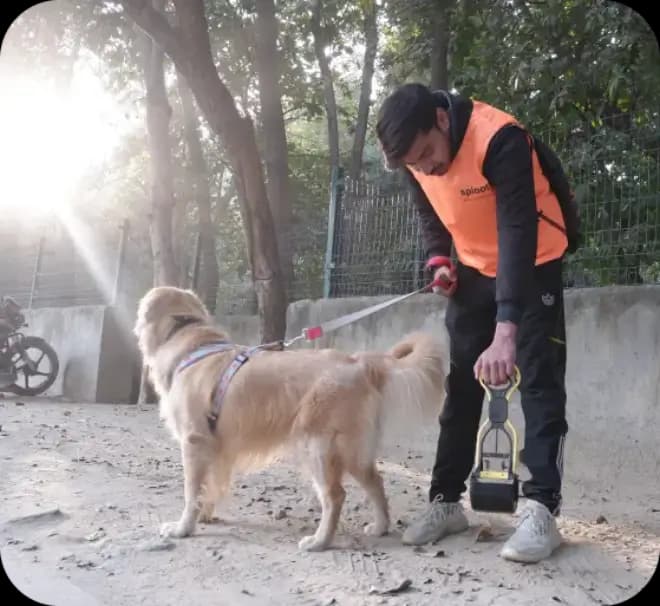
(439, 520)
(536, 537)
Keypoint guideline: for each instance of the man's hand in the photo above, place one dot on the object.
(446, 275)
(496, 364)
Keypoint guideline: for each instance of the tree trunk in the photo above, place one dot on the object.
(328, 86)
(209, 276)
(190, 49)
(371, 37)
(274, 135)
(158, 112)
(440, 46)
(147, 393)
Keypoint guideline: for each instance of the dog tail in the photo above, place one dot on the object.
(414, 387)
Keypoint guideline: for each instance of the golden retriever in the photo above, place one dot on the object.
(331, 407)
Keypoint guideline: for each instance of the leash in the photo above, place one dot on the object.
(316, 332)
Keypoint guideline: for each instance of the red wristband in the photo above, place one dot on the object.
(439, 261)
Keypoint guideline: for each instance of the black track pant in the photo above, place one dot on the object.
(541, 357)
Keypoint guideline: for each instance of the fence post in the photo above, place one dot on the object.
(121, 261)
(35, 271)
(336, 190)
(197, 258)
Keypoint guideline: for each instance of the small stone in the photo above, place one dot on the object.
(280, 515)
(399, 588)
(95, 536)
(601, 519)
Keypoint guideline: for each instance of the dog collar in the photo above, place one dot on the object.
(181, 322)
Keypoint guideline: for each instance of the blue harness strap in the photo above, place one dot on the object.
(202, 352)
(235, 365)
(223, 384)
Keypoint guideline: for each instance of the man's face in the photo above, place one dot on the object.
(430, 153)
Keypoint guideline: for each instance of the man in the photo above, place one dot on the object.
(479, 185)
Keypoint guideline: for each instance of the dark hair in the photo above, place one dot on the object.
(410, 109)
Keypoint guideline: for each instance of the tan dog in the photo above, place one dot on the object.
(333, 408)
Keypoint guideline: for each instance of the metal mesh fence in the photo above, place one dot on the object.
(613, 166)
(43, 268)
(60, 265)
(377, 247)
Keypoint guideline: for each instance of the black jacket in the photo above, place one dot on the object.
(508, 168)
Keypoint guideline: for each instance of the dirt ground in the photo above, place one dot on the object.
(85, 488)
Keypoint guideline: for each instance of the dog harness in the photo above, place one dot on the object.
(221, 389)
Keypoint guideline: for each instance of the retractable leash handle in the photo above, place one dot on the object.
(436, 263)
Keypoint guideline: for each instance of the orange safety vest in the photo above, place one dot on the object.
(465, 201)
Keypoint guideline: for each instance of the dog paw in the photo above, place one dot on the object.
(375, 529)
(311, 543)
(174, 529)
(209, 518)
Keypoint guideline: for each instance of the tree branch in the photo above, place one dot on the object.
(156, 26)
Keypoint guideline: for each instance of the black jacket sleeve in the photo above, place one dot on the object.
(508, 168)
(436, 239)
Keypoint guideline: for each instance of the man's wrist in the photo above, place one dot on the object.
(506, 330)
(508, 311)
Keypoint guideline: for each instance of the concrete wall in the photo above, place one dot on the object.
(119, 363)
(613, 379)
(75, 334)
(96, 354)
